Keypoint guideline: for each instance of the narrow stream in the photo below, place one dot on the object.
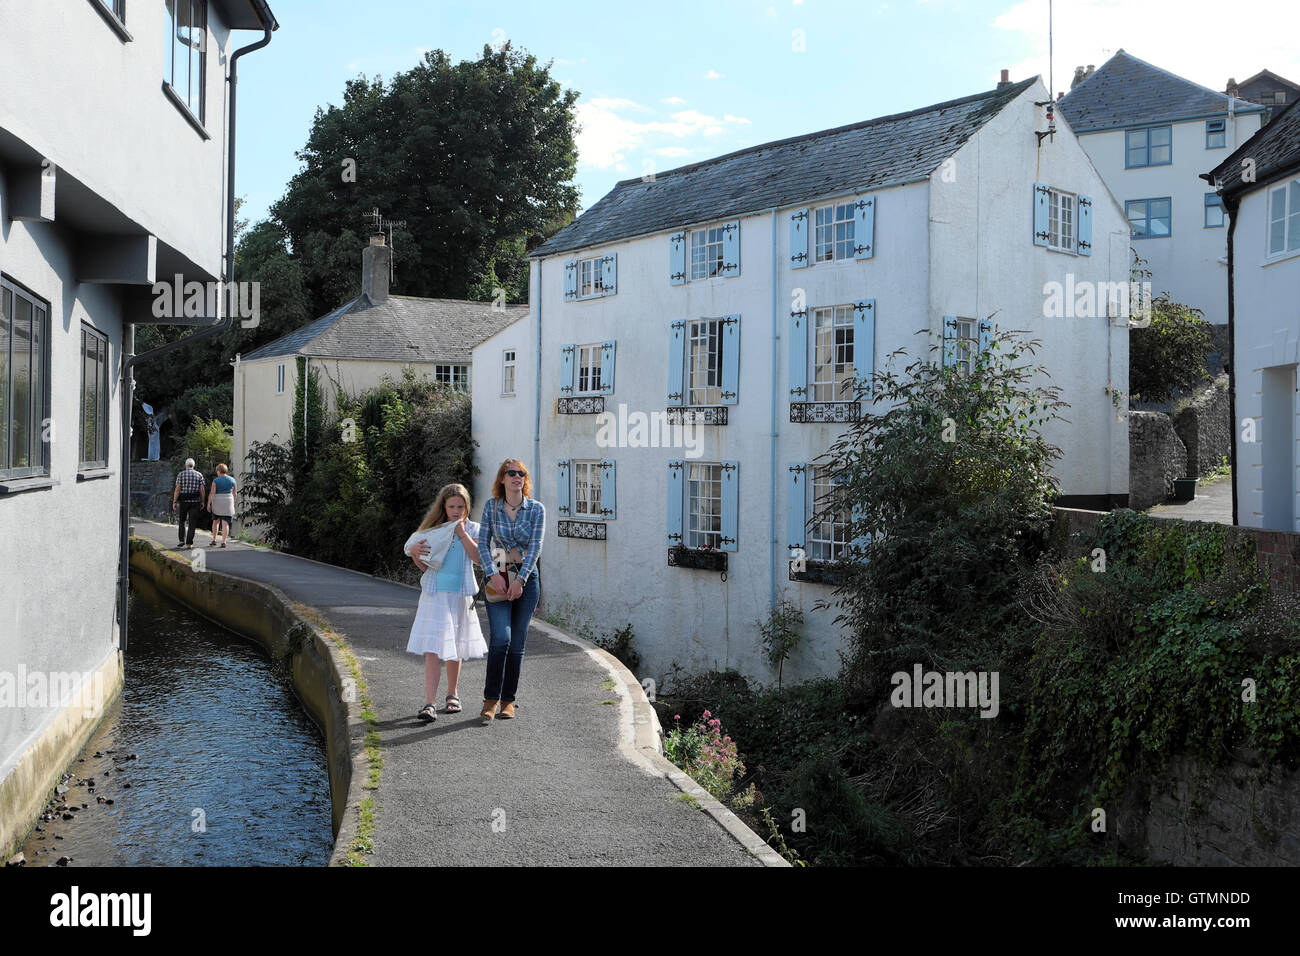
(207, 760)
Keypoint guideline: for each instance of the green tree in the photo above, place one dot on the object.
(1169, 354)
(948, 487)
(477, 158)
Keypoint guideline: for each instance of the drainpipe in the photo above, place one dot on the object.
(537, 403)
(1232, 207)
(130, 360)
(776, 340)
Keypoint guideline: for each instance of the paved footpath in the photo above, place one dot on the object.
(550, 787)
(1213, 503)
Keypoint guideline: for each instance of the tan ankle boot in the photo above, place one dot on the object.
(489, 710)
(507, 710)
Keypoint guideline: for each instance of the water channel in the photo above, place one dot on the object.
(207, 759)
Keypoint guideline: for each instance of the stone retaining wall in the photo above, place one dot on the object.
(1205, 429)
(1156, 457)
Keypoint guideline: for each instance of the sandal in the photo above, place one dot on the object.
(428, 712)
(453, 705)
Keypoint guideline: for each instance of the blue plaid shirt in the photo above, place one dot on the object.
(189, 484)
(524, 533)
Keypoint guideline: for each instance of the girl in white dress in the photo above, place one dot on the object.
(446, 625)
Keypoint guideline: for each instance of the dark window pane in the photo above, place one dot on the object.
(22, 394)
(6, 310)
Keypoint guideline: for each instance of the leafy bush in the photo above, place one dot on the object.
(949, 489)
(705, 754)
(208, 442)
(1168, 355)
(781, 635)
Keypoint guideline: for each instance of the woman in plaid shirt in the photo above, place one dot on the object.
(517, 523)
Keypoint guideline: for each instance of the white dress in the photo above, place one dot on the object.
(446, 624)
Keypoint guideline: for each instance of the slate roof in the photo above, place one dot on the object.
(1275, 150)
(1126, 91)
(887, 151)
(399, 329)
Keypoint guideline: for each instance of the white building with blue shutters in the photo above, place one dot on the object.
(1260, 187)
(1151, 134)
(695, 329)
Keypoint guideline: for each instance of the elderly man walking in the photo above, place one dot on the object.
(188, 495)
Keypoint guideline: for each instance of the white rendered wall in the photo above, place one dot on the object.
(503, 424)
(983, 263)
(1267, 336)
(1191, 263)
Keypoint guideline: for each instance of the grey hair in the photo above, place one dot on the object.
(189, 462)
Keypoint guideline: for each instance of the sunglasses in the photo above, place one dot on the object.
(516, 474)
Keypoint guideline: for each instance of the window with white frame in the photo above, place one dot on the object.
(118, 7)
(704, 505)
(457, 376)
(279, 379)
(24, 383)
(964, 344)
(706, 252)
(835, 226)
(508, 372)
(589, 276)
(586, 489)
(832, 353)
(1213, 210)
(704, 362)
(184, 69)
(1060, 221)
(1284, 218)
(828, 534)
(588, 371)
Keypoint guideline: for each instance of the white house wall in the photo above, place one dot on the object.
(1267, 337)
(1191, 262)
(503, 425)
(983, 263)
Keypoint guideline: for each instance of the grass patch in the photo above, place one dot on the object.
(608, 684)
(609, 703)
(689, 800)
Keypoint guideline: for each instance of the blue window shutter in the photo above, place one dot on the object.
(796, 506)
(566, 370)
(1085, 226)
(609, 274)
(864, 233)
(864, 338)
(731, 249)
(607, 367)
(675, 494)
(562, 488)
(799, 239)
(949, 340)
(677, 258)
(985, 336)
(799, 356)
(607, 488)
(676, 366)
(730, 505)
(730, 359)
(1042, 198)
(571, 280)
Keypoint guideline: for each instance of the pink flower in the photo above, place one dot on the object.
(707, 714)
(677, 716)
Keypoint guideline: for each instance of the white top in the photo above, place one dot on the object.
(440, 539)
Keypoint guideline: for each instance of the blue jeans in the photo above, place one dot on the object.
(509, 623)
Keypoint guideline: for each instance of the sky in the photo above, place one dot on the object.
(669, 83)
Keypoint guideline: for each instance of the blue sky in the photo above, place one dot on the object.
(668, 83)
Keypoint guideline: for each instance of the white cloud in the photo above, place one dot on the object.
(673, 100)
(1195, 39)
(713, 75)
(609, 136)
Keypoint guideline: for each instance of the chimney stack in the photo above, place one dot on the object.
(1006, 79)
(376, 265)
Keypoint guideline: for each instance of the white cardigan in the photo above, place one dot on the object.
(440, 539)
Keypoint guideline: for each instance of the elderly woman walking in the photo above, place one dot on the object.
(513, 523)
